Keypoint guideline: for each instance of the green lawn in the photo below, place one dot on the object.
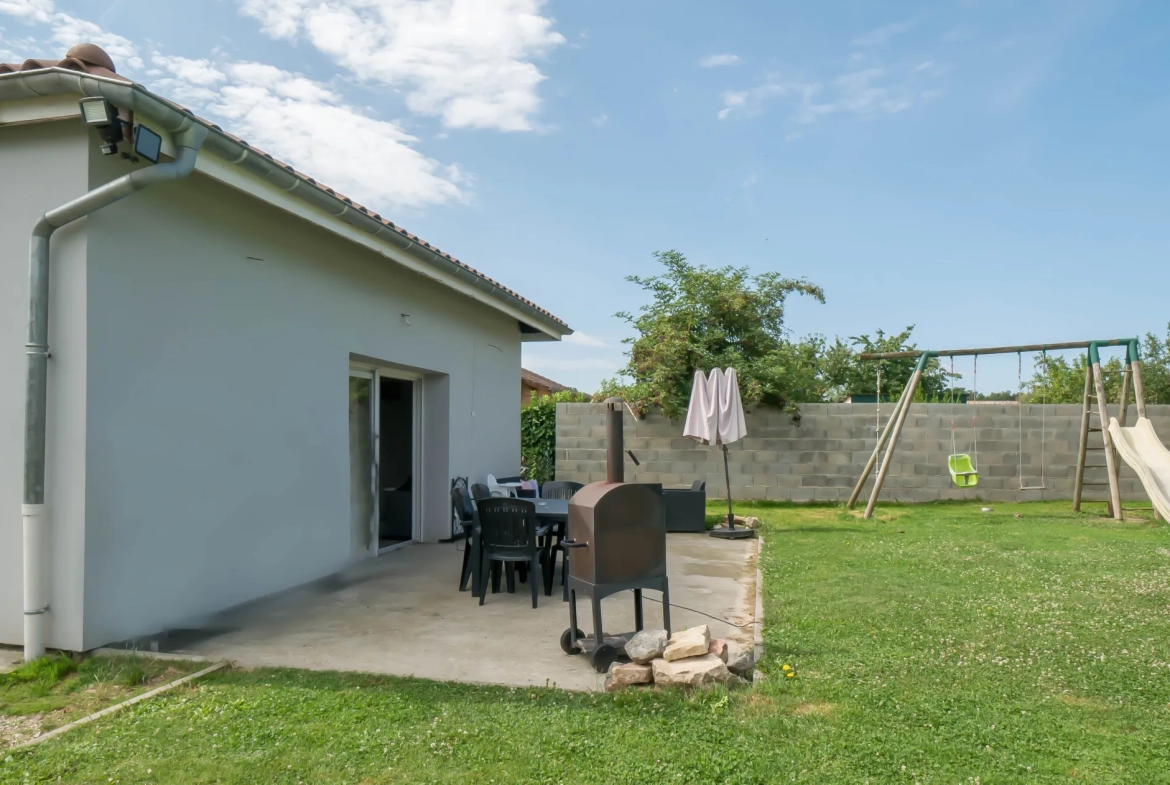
(936, 644)
(52, 691)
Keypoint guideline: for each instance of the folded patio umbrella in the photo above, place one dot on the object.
(715, 416)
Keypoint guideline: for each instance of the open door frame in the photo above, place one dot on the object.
(377, 373)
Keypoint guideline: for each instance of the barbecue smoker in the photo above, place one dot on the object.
(617, 541)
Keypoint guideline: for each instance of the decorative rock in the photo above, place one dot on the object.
(625, 674)
(718, 647)
(646, 646)
(688, 643)
(740, 659)
(705, 671)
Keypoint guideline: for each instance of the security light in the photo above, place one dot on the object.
(103, 115)
(98, 111)
(147, 143)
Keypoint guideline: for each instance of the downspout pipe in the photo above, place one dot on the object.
(187, 141)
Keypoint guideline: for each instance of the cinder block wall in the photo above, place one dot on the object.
(821, 458)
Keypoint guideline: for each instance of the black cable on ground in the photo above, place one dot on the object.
(701, 613)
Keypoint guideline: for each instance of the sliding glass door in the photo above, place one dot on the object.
(363, 461)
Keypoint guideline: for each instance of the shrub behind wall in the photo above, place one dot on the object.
(538, 433)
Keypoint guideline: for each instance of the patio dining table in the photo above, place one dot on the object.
(552, 510)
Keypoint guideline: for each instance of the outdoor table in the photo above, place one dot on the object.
(552, 510)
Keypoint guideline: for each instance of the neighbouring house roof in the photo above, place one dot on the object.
(536, 380)
(90, 71)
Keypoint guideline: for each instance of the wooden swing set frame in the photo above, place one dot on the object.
(1094, 390)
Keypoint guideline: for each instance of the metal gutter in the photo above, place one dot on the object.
(133, 97)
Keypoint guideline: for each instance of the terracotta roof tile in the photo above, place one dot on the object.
(536, 380)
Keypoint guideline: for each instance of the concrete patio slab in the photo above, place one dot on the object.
(401, 614)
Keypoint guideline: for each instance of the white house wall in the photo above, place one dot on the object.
(220, 335)
(41, 167)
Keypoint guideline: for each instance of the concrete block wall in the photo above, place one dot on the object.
(821, 458)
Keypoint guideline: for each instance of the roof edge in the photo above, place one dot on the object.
(131, 96)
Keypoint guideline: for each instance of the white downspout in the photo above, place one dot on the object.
(187, 140)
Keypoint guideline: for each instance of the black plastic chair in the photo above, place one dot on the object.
(508, 534)
(560, 489)
(479, 492)
(699, 485)
(463, 510)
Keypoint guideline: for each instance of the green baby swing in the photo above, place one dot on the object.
(964, 467)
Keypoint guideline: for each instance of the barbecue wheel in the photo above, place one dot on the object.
(603, 656)
(567, 642)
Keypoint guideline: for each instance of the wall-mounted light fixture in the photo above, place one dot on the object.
(99, 113)
(147, 143)
(405, 320)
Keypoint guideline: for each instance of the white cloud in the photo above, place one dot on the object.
(579, 360)
(714, 61)
(600, 120)
(67, 30)
(859, 93)
(605, 365)
(750, 102)
(308, 125)
(750, 180)
(466, 62)
(881, 36)
(303, 122)
(30, 10)
(581, 339)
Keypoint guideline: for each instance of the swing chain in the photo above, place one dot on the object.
(974, 431)
(1043, 420)
(954, 448)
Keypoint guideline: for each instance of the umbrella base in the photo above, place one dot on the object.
(724, 533)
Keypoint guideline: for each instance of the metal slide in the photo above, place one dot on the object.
(1140, 447)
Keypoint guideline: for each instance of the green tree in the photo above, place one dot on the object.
(701, 318)
(847, 374)
(538, 433)
(1065, 380)
(1155, 356)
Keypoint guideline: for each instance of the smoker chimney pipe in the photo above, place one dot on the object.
(615, 463)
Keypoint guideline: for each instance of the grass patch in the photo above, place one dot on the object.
(934, 644)
(53, 690)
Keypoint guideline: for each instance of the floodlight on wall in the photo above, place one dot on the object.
(147, 143)
(98, 111)
(103, 115)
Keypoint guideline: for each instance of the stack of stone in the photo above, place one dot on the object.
(690, 658)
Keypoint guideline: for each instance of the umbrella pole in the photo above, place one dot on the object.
(729, 532)
(727, 477)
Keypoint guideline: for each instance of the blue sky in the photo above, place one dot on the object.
(993, 172)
